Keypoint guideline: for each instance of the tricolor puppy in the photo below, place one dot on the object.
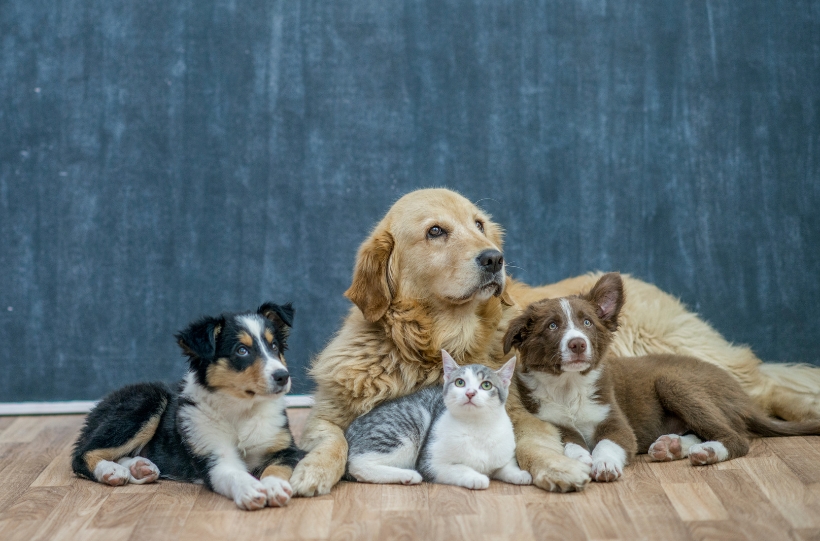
(224, 424)
(670, 406)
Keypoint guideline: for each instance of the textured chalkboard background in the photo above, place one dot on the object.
(165, 159)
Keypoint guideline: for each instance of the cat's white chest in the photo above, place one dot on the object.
(568, 400)
(483, 446)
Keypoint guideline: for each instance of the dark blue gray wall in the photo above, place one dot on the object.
(165, 159)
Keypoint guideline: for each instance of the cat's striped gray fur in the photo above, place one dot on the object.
(457, 435)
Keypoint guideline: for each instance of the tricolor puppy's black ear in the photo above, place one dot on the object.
(607, 295)
(198, 340)
(280, 316)
(518, 331)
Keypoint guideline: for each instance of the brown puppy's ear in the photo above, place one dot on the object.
(518, 331)
(608, 297)
(370, 290)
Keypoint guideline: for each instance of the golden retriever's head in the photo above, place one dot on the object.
(433, 245)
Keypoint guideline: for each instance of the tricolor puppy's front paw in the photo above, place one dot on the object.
(278, 490)
(250, 494)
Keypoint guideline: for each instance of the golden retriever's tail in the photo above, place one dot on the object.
(790, 391)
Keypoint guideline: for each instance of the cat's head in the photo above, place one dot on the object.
(475, 388)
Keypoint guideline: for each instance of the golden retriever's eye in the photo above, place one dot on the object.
(242, 351)
(479, 225)
(459, 382)
(587, 323)
(553, 326)
(435, 232)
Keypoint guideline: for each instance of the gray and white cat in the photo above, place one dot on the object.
(462, 436)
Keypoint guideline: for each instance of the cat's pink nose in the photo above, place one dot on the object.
(470, 393)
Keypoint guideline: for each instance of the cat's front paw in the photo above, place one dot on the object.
(520, 478)
(477, 481)
(279, 491)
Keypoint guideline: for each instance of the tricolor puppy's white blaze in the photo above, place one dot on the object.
(573, 331)
(272, 360)
(608, 460)
(568, 400)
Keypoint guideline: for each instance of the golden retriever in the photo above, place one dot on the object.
(430, 277)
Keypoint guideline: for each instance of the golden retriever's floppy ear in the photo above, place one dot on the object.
(518, 331)
(370, 290)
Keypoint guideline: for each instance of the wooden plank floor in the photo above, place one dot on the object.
(774, 493)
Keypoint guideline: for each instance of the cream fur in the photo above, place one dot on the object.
(415, 296)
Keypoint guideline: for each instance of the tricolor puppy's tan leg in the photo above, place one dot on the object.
(325, 462)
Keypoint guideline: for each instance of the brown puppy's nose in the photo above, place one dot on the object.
(577, 345)
(490, 260)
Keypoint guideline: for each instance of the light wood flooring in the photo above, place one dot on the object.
(774, 493)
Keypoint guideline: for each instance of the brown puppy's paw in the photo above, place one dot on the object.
(708, 452)
(561, 474)
(666, 448)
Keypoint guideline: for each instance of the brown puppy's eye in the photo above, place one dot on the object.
(435, 232)
(479, 225)
(242, 351)
(553, 326)
(587, 323)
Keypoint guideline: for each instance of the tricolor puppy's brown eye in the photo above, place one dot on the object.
(479, 225)
(486, 385)
(553, 326)
(435, 232)
(242, 351)
(459, 382)
(587, 323)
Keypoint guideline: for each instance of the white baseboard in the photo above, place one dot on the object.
(84, 406)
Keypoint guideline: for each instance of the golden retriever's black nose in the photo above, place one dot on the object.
(490, 260)
(280, 377)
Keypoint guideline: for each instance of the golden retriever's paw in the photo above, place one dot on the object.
(312, 478)
(562, 474)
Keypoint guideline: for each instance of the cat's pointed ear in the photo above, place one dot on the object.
(506, 372)
(450, 365)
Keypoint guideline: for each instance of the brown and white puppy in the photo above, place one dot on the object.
(615, 406)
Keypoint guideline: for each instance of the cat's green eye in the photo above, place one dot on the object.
(587, 323)
(459, 382)
(486, 385)
(553, 326)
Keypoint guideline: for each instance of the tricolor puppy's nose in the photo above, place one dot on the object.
(280, 377)
(577, 345)
(490, 260)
